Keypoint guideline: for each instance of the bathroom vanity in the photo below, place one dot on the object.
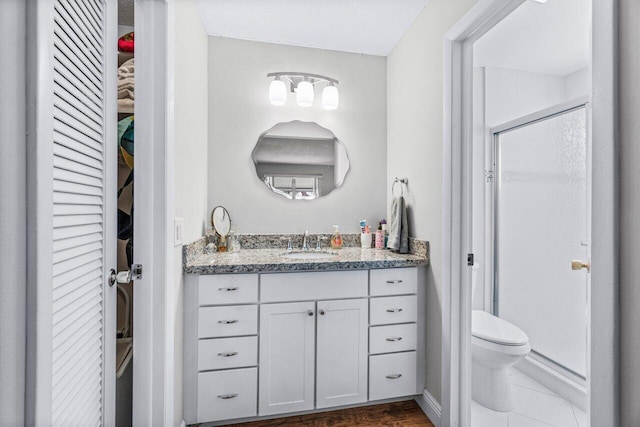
(265, 335)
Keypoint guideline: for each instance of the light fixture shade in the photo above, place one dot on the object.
(330, 97)
(277, 92)
(305, 94)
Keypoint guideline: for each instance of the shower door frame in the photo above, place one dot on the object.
(603, 348)
(493, 209)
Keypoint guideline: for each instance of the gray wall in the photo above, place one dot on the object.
(12, 212)
(239, 112)
(630, 211)
(190, 157)
(414, 148)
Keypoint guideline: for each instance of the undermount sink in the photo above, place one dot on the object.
(309, 255)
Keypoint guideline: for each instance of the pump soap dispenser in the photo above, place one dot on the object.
(336, 239)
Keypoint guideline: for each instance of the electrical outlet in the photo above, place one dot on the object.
(178, 231)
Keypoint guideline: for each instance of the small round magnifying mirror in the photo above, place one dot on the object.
(220, 220)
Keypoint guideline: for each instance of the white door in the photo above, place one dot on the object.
(287, 357)
(342, 338)
(71, 315)
(542, 187)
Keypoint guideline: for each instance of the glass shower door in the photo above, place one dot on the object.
(542, 223)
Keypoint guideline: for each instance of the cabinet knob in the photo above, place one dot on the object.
(321, 312)
(227, 396)
(230, 354)
(394, 376)
(227, 322)
(310, 313)
(227, 289)
(393, 282)
(394, 339)
(394, 310)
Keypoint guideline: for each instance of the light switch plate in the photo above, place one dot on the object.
(178, 231)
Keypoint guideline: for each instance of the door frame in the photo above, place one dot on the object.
(602, 367)
(154, 320)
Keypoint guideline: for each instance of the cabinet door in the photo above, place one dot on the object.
(287, 348)
(342, 352)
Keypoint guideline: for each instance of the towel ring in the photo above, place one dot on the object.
(402, 182)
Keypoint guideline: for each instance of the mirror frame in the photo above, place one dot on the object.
(213, 222)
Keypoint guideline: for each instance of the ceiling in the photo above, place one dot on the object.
(550, 38)
(361, 26)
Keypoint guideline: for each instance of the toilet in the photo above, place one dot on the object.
(496, 345)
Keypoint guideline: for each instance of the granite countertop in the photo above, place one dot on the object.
(270, 260)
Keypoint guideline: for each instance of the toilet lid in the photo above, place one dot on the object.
(491, 328)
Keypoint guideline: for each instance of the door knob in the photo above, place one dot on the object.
(579, 265)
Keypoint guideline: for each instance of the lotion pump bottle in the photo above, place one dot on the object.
(336, 239)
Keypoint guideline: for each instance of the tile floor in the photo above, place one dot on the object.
(535, 406)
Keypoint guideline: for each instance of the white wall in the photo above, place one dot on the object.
(190, 156)
(13, 211)
(414, 148)
(239, 111)
(630, 211)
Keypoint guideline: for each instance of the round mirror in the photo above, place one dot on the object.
(300, 160)
(220, 220)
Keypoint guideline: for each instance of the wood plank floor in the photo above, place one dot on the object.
(395, 414)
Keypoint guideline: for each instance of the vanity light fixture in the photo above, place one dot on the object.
(278, 92)
(303, 84)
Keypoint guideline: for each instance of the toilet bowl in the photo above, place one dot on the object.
(496, 345)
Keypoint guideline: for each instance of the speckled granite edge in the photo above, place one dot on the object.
(191, 251)
(419, 247)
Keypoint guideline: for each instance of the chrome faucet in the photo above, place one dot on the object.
(305, 241)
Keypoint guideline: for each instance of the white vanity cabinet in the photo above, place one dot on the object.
(393, 344)
(221, 347)
(315, 348)
(277, 343)
(287, 355)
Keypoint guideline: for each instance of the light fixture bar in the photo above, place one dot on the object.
(313, 78)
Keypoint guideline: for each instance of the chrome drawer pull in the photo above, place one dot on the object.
(393, 282)
(394, 339)
(227, 322)
(227, 396)
(394, 310)
(394, 377)
(233, 353)
(228, 289)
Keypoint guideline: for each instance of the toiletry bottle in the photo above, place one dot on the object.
(336, 239)
(379, 237)
(385, 233)
(222, 244)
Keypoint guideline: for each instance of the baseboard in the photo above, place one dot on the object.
(570, 390)
(430, 407)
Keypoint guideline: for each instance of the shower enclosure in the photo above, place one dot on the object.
(541, 222)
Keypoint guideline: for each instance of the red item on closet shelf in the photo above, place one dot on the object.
(125, 43)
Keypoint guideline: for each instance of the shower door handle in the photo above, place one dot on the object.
(579, 265)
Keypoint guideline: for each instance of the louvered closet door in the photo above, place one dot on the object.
(81, 113)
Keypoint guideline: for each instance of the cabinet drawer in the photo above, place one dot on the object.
(394, 281)
(227, 394)
(227, 289)
(282, 287)
(389, 310)
(227, 321)
(391, 338)
(392, 375)
(224, 353)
